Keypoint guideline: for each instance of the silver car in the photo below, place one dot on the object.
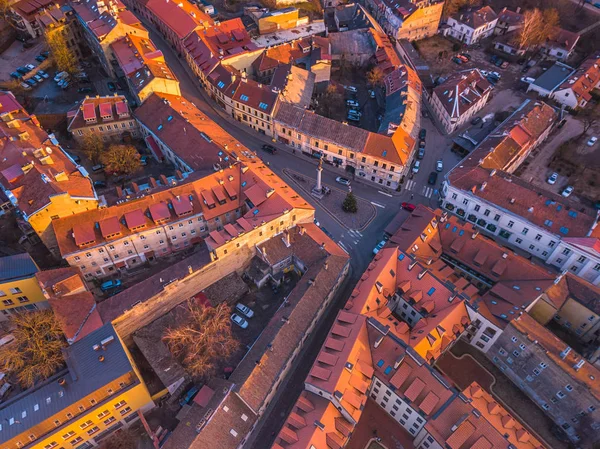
(244, 310)
(241, 322)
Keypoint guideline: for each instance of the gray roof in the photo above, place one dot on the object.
(15, 267)
(84, 375)
(554, 76)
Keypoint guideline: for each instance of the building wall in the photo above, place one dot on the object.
(543, 310)
(425, 440)
(567, 97)
(422, 23)
(481, 333)
(451, 124)
(579, 320)
(160, 85)
(108, 131)
(281, 21)
(581, 263)
(466, 34)
(20, 293)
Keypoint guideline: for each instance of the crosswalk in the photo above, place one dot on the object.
(426, 191)
(349, 239)
(410, 184)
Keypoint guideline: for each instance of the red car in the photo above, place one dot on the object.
(408, 206)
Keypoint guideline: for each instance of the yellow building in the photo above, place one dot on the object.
(422, 23)
(19, 288)
(282, 19)
(99, 392)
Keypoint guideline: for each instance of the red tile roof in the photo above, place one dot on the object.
(180, 17)
(462, 91)
(88, 110)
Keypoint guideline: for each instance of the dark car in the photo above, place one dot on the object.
(27, 44)
(111, 86)
(457, 60)
(269, 148)
(422, 134)
(525, 69)
(99, 184)
(45, 53)
(31, 82)
(476, 121)
(493, 59)
(421, 153)
(432, 178)
(16, 75)
(23, 70)
(40, 58)
(85, 90)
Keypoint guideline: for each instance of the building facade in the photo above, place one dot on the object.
(407, 20)
(19, 289)
(472, 25)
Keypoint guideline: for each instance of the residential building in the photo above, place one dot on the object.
(108, 117)
(509, 21)
(475, 419)
(560, 44)
(510, 45)
(553, 376)
(143, 66)
(575, 91)
(471, 25)
(102, 24)
(19, 289)
(407, 20)
(574, 304)
(459, 98)
(579, 255)
(551, 79)
(280, 19)
(99, 391)
(40, 180)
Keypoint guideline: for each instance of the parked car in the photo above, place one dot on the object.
(567, 191)
(552, 178)
(493, 80)
(505, 64)
(45, 53)
(527, 79)
(476, 121)
(65, 84)
(351, 89)
(416, 167)
(111, 86)
(499, 62)
(372, 93)
(352, 103)
(239, 321)
(432, 178)
(496, 75)
(269, 148)
(30, 67)
(110, 285)
(245, 310)
(23, 70)
(40, 58)
(463, 58)
(98, 168)
(484, 72)
(85, 90)
(353, 117)
(43, 74)
(422, 133)
(439, 165)
(144, 160)
(343, 181)
(466, 55)
(60, 76)
(408, 206)
(189, 396)
(378, 247)
(592, 141)
(457, 60)
(421, 153)
(99, 184)
(38, 78)
(16, 75)
(494, 58)
(31, 82)
(25, 86)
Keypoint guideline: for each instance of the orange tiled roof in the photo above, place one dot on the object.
(585, 79)
(180, 17)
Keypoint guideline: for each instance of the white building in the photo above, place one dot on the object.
(472, 25)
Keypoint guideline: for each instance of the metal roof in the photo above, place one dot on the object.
(85, 374)
(553, 77)
(17, 267)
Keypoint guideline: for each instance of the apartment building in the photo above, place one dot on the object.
(575, 92)
(407, 20)
(143, 66)
(102, 23)
(509, 21)
(19, 289)
(561, 44)
(459, 98)
(553, 376)
(99, 391)
(108, 117)
(471, 25)
(38, 178)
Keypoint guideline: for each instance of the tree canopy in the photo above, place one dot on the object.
(65, 59)
(350, 204)
(36, 353)
(93, 146)
(537, 27)
(122, 159)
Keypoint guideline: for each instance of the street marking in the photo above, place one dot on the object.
(377, 204)
(410, 184)
(383, 193)
(343, 247)
(427, 192)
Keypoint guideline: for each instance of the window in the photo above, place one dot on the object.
(477, 207)
(109, 421)
(538, 237)
(125, 411)
(68, 435)
(487, 212)
(525, 231)
(532, 247)
(552, 243)
(465, 201)
(581, 259)
(569, 387)
(519, 241)
(497, 217)
(120, 404)
(86, 424)
(566, 251)
(454, 196)
(511, 224)
(93, 430)
(15, 290)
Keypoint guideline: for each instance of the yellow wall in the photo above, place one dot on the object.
(422, 23)
(280, 22)
(542, 311)
(160, 85)
(576, 314)
(29, 287)
(60, 206)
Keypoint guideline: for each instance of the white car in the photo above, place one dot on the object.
(552, 178)
(38, 78)
(352, 103)
(439, 165)
(44, 74)
(344, 181)
(416, 167)
(60, 76)
(484, 72)
(496, 74)
(378, 247)
(592, 141)
(30, 66)
(351, 88)
(567, 191)
(527, 79)
(239, 321)
(245, 310)
(25, 86)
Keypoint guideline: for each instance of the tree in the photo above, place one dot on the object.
(121, 439)
(93, 146)
(451, 7)
(537, 27)
(203, 339)
(36, 353)
(123, 159)
(589, 115)
(65, 59)
(331, 100)
(550, 24)
(350, 204)
(375, 76)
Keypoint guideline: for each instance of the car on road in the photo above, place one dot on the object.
(422, 134)
(352, 103)
(110, 285)
(343, 181)
(38, 78)
(421, 153)
(408, 206)
(269, 148)
(592, 141)
(567, 191)
(552, 178)
(25, 86)
(99, 184)
(244, 310)
(476, 121)
(16, 75)
(43, 74)
(111, 86)
(378, 247)
(439, 165)
(241, 322)
(416, 167)
(432, 178)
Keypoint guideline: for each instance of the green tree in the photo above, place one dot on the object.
(121, 159)
(93, 146)
(36, 353)
(65, 59)
(203, 339)
(350, 204)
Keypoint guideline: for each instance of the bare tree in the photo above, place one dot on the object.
(590, 115)
(529, 35)
(36, 353)
(332, 100)
(375, 76)
(203, 339)
(551, 23)
(121, 439)
(122, 159)
(93, 146)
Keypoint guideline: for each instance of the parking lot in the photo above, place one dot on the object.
(17, 55)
